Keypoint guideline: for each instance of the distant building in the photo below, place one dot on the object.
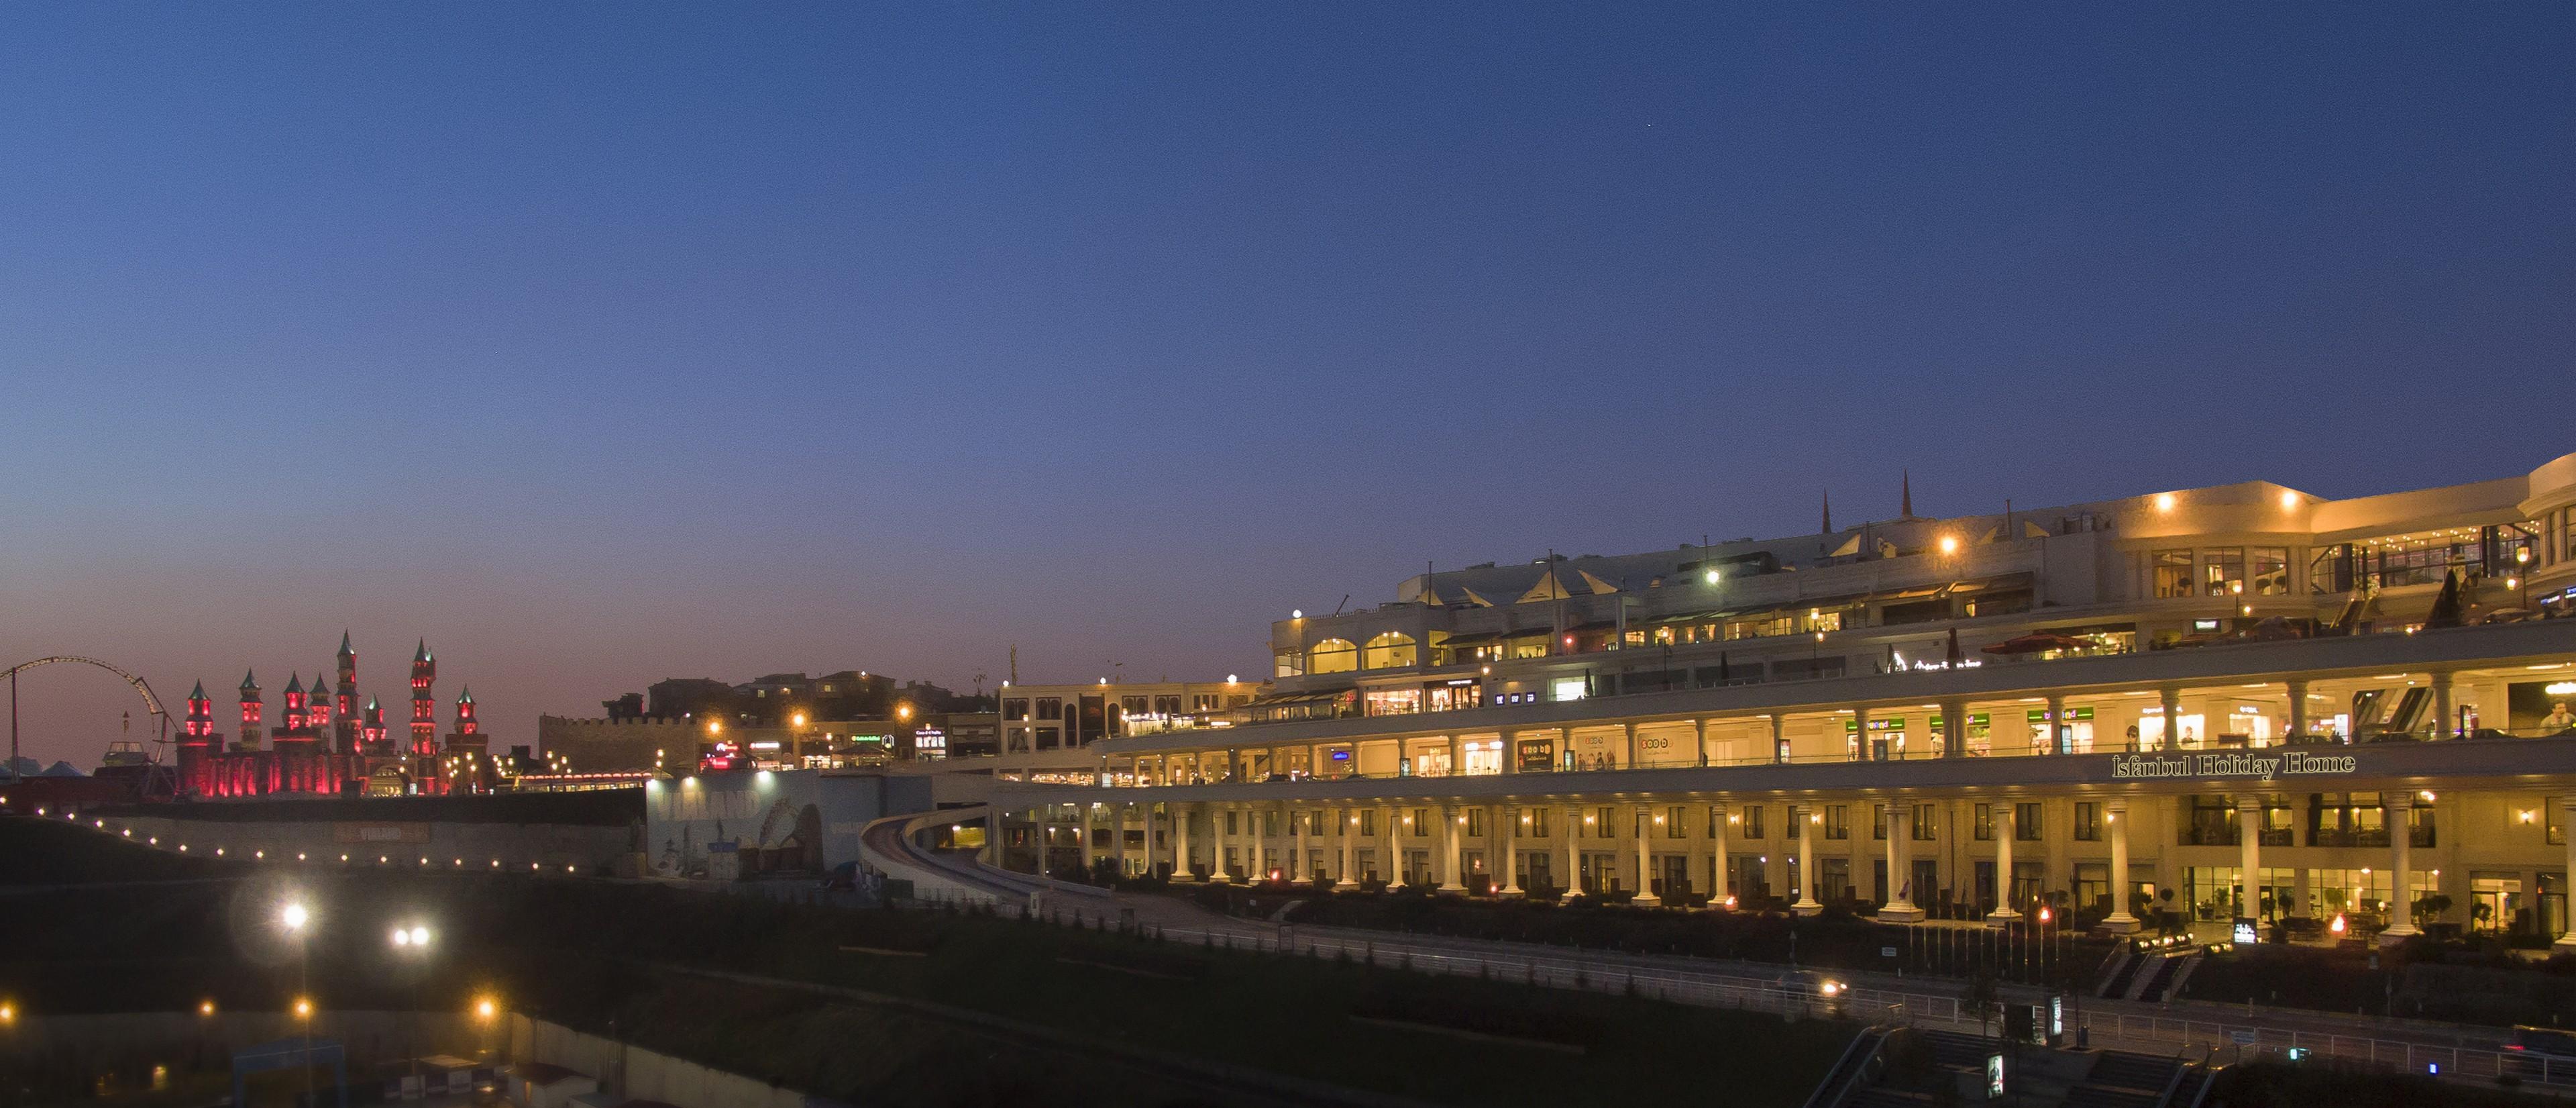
(323, 745)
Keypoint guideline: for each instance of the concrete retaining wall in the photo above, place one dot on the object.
(489, 846)
(640, 1074)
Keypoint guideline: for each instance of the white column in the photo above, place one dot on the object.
(2401, 882)
(2446, 721)
(1645, 853)
(1046, 833)
(1509, 831)
(2298, 709)
(1349, 825)
(2249, 835)
(2003, 913)
(2171, 739)
(1859, 742)
(1778, 725)
(1954, 729)
(1145, 816)
(1294, 869)
(1699, 729)
(1629, 730)
(1572, 881)
(1457, 756)
(2057, 723)
(1216, 835)
(2567, 819)
(1511, 741)
(1808, 827)
(1720, 890)
(1118, 835)
(1181, 841)
(1086, 815)
(1900, 863)
(1394, 849)
(1449, 818)
(2119, 921)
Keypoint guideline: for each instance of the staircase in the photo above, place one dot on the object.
(2123, 1080)
(1850, 1070)
(2123, 972)
(2166, 972)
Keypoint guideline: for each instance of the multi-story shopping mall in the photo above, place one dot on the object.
(2182, 693)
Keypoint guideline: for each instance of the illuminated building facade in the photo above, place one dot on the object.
(324, 744)
(2231, 703)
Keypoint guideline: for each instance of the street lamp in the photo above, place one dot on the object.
(415, 941)
(298, 921)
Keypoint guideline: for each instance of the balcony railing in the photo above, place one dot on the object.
(1124, 776)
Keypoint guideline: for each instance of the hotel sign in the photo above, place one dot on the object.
(2262, 767)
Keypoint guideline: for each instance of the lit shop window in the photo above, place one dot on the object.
(1332, 656)
(1569, 688)
(1389, 651)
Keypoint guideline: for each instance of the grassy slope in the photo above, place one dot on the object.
(579, 952)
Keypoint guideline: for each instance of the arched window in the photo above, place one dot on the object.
(1388, 651)
(1332, 656)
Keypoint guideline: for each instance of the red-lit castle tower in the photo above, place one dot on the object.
(424, 706)
(198, 740)
(317, 710)
(325, 748)
(344, 731)
(297, 765)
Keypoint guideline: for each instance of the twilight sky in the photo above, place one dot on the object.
(607, 342)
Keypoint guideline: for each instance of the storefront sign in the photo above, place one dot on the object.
(2263, 767)
(1537, 755)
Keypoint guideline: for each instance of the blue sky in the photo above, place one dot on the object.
(601, 343)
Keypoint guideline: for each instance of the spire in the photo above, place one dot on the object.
(1829, 512)
(1905, 505)
(250, 682)
(422, 654)
(345, 650)
(467, 696)
(198, 693)
(372, 706)
(295, 682)
(321, 687)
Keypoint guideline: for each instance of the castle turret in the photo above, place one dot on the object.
(294, 717)
(372, 732)
(253, 713)
(424, 705)
(344, 731)
(197, 740)
(317, 708)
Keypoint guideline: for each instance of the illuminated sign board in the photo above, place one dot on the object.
(2261, 767)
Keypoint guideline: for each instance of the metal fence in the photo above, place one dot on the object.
(1800, 994)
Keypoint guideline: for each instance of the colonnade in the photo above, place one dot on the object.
(1405, 843)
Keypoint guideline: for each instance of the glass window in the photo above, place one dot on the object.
(1388, 651)
(1288, 663)
(2222, 570)
(2088, 825)
(1050, 707)
(1674, 824)
(1393, 702)
(2173, 573)
(2026, 823)
(1475, 821)
(1837, 821)
(1985, 823)
(1333, 656)
(1132, 705)
(2271, 571)
(1016, 708)
(1878, 821)
(1923, 823)
(1751, 823)
(1421, 822)
(1605, 823)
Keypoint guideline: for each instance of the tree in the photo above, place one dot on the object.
(1982, 1001)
